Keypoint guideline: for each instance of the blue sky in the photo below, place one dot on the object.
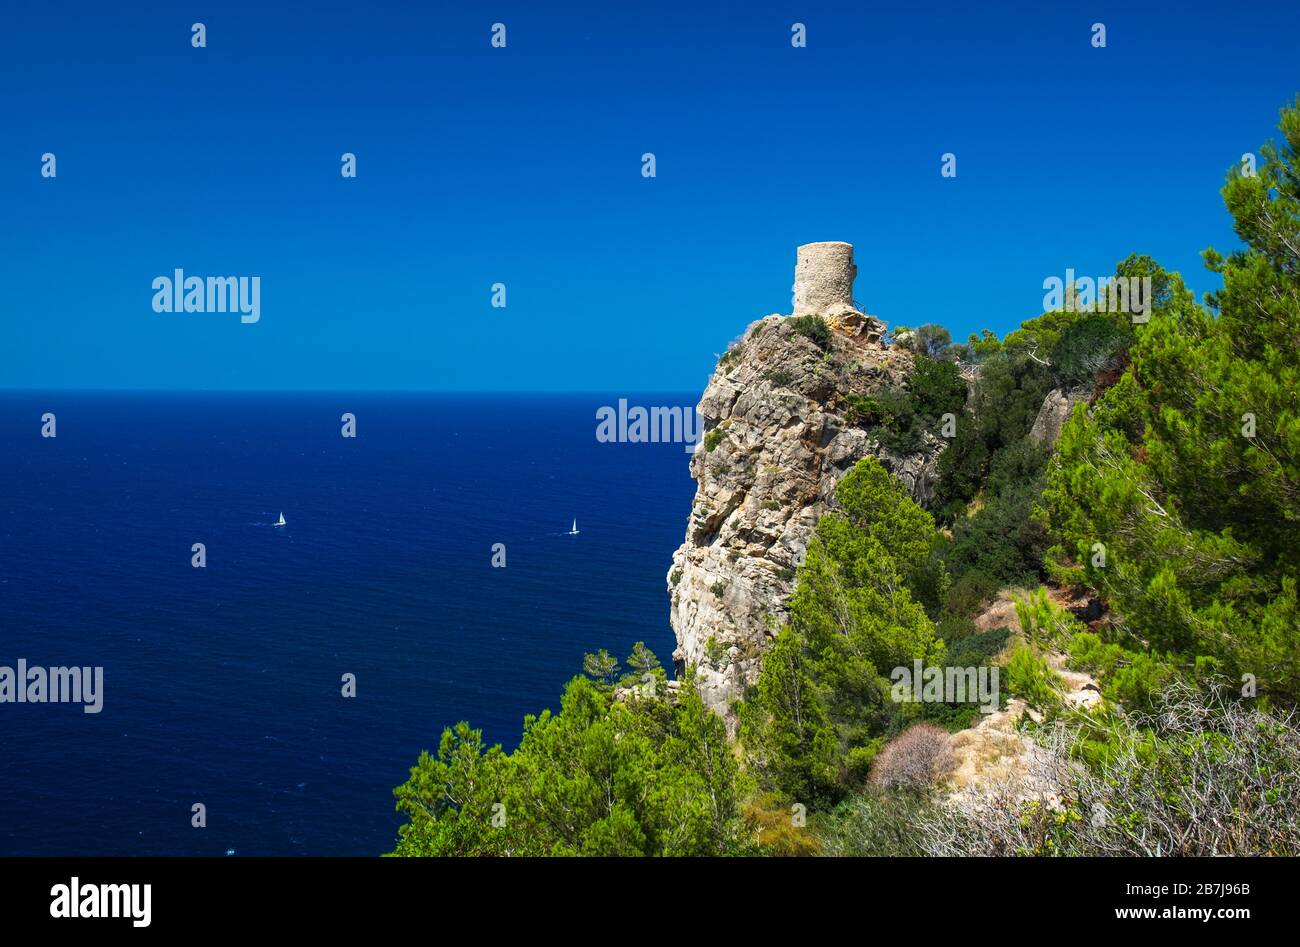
(522, 165)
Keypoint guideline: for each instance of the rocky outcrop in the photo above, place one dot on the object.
(780, 433)
(1055, 412)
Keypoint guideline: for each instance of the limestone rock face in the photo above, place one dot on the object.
(779, 437)
(1054, 413)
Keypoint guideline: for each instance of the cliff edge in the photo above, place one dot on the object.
(780, 431)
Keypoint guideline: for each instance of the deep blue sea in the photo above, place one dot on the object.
(222, 685)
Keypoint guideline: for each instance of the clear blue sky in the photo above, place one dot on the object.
(522, 165)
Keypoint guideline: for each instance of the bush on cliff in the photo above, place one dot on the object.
(900, 417)
(813, 328)
(1008, 395)
(1002, 542)
(914, 760)
(641, 775)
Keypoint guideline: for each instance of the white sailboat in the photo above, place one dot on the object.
(281, 521)
(574, 530)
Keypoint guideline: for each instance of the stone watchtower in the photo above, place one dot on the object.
(823, 278)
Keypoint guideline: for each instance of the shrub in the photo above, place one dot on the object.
(778, 833)
(1138, 681)
(712, 439)
(713, 650)
(936, 388)
(1089, 653)
(1133, 678)
(900, 417)
(913, 760)
(1006, 400)
(858, 761)
(1002, 542)
(863, 411)
(952, 628)
(978, 648)
(813, 328)
(873, 824)
(894, 421)
(650, 776)
(1031, 678)
(779, 377)
(1016, 466)
(1044, 621)
(735, 349)
(969, 593)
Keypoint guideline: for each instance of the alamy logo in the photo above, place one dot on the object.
(946, 685)
(181, 293)
(656, 425)
(56, 685)
(1129, 294)
(77, 900)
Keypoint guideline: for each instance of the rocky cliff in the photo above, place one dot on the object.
(780, 433)
(1055, 412)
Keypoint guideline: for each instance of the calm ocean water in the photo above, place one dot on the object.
(222, 685)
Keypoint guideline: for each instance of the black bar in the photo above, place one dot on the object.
(230, 895)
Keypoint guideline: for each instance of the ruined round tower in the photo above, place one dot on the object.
(823, 278)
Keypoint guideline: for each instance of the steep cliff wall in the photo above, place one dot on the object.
(780, 435)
